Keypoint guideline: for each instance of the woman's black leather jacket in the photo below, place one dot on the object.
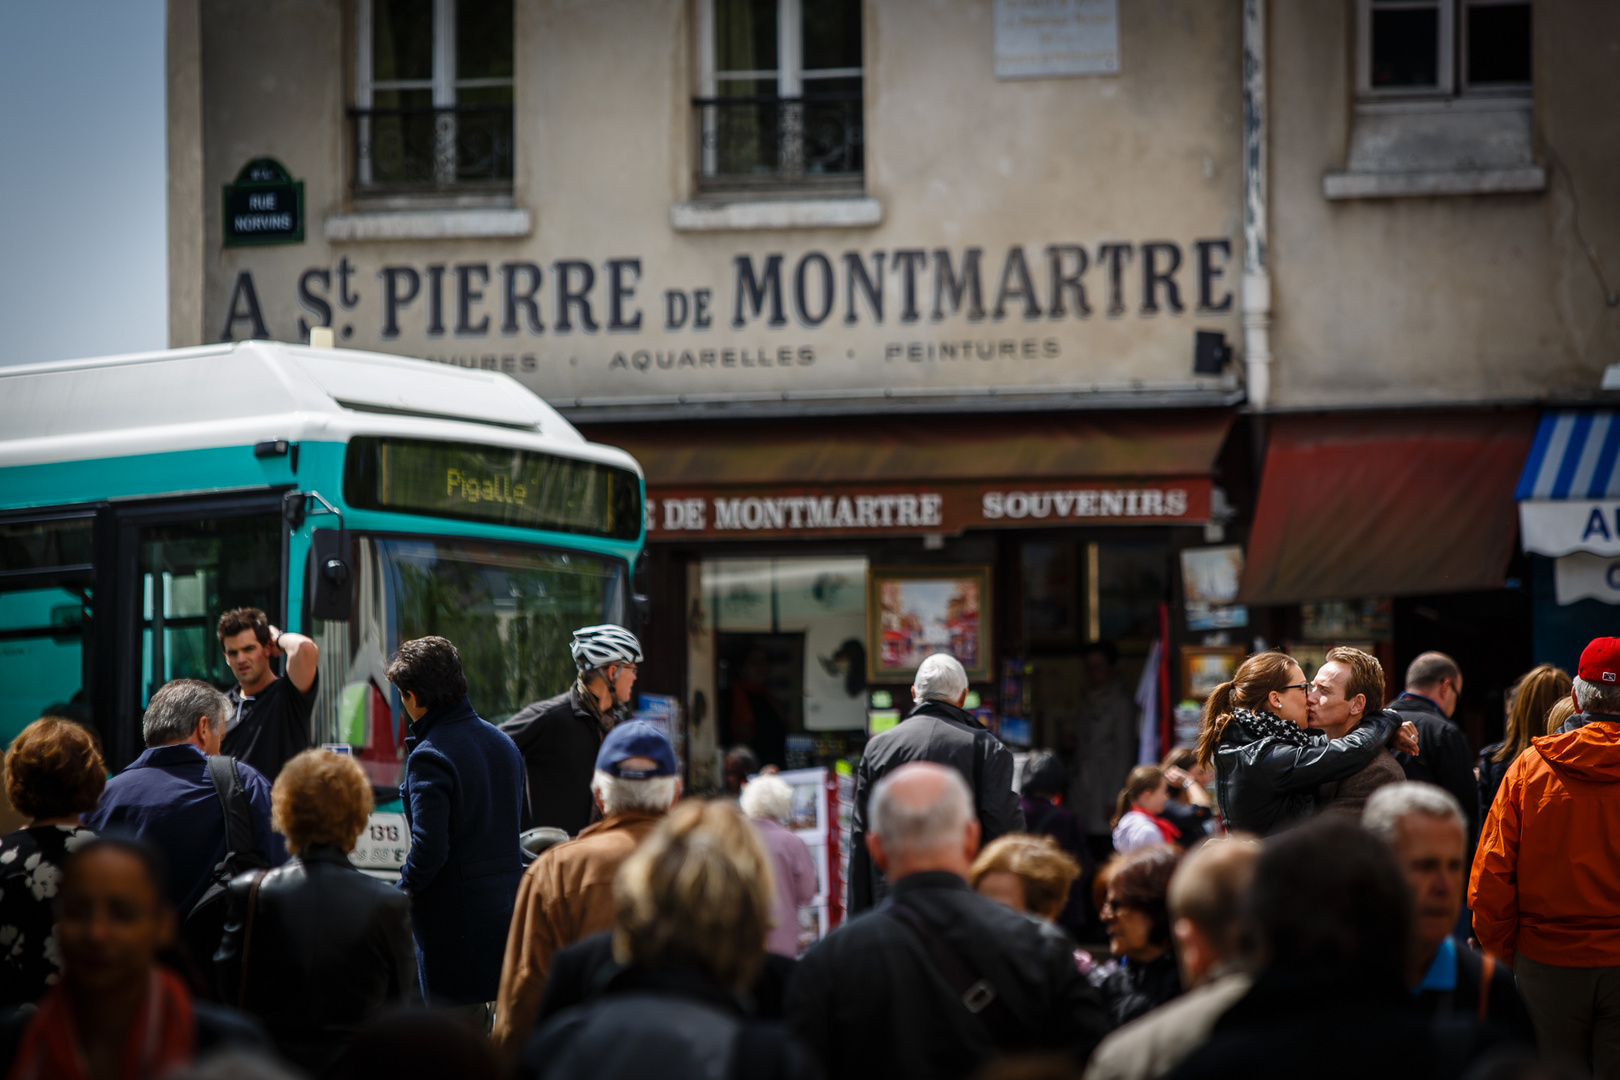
(1264, 785)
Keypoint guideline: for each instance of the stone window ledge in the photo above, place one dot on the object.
(717, 216)
(426, 224)
(1452, 146)
(1392, 185)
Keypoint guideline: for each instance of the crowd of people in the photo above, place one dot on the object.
(1285, 898)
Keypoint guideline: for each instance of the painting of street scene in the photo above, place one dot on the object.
(920, 613)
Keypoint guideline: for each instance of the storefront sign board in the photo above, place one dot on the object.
(1583, 576)
(1058, 313)
(807, 512)
(1563, 526)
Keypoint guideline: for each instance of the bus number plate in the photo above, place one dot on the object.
(383, 844)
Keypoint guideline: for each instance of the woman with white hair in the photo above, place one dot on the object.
(768, 802)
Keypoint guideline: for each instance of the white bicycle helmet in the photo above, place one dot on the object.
(596, 647)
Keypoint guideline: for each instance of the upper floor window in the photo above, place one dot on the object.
(433, 96)
(780, 94)
(1443, 48)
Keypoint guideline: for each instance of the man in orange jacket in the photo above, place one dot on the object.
(1546, 878)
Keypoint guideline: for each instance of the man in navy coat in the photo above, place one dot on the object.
(463, 791)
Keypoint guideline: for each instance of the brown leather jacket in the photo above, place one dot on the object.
(566, 895)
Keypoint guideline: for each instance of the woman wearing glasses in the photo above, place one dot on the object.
(1267, 765)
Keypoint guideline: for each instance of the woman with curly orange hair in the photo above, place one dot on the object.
(54, 773)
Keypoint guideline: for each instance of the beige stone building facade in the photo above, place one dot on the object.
(1036, 297)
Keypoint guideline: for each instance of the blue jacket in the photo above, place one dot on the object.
(165, 798)
(463, 792)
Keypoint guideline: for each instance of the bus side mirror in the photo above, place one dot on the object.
(640, 587)
(331, 584)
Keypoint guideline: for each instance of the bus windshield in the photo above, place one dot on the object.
(509, 609)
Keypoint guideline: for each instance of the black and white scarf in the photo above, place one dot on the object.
(1265, 723)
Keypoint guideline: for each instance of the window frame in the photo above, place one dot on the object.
(790, 75)
(444, 84)
(1464, 84)
(1451, 79)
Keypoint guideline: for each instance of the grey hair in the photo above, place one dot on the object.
(767, 797)
(1596, 697)
(940, 677)
(174, 710)
(1392, 802)
(920, 829)
(619, 795)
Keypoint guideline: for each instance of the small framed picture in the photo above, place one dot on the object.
(915, 611)
(1204, 667)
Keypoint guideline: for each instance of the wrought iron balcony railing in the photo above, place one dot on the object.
(765, 140)
(432, 149)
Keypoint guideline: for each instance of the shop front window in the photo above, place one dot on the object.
(790, 648)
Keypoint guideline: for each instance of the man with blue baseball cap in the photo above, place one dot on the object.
(567, 893)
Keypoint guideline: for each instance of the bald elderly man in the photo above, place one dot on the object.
(883, 996)
(941, 731)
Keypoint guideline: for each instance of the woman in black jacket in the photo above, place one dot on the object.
(1528, 703)
(1137, 916)
(314, 947)
(1267, 765)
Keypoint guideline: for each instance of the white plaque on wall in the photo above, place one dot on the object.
(1037, 39)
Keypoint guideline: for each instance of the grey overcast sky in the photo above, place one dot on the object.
(83, 266)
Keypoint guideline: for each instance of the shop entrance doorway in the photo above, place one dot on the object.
(761, 700)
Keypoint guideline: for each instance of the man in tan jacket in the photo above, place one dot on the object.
(1347, 689)
(567, 894)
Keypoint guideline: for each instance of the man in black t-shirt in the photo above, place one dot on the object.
(271, 721)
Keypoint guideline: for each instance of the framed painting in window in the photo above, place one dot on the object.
(915, 611)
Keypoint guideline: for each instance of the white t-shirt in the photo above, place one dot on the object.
(1136, 830)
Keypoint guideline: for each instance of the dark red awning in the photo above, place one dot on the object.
(1390, 504)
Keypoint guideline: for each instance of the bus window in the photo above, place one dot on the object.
(510, 610)
(45, 607)
(192, 572)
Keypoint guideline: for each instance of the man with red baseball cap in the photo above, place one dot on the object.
(1546, 884)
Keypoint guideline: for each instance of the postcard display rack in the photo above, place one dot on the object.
(820, 817)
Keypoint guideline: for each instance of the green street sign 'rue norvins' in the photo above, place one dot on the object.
(264, 206)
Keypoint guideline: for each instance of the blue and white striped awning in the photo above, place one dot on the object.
(1569, 491)
(1576, 455)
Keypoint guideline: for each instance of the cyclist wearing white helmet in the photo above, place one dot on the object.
(559, 737)
(607, 656)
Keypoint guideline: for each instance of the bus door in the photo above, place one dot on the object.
(180, 565)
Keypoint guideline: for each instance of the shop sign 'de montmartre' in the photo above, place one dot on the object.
(947, 508)
(814, 319)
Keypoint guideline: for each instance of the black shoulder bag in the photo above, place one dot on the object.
(205, 922)
(977, 994)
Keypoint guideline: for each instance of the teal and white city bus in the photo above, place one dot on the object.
(358, 498)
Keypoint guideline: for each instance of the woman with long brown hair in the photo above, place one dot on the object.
(1529, 701)
(1267, 766)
